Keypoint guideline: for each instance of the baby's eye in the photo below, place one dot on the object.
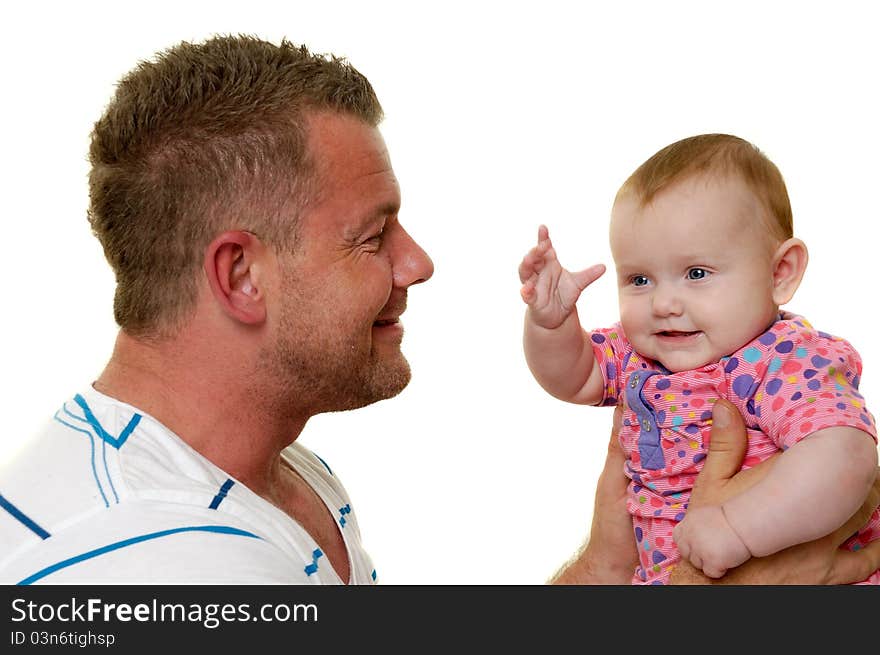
(639, 280)
(697, 274)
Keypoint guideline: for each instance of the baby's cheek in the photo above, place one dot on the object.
(633, 321)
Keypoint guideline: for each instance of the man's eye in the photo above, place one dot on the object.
(697, 274)
(639, 280)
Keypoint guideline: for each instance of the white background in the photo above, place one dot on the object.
(500, 116)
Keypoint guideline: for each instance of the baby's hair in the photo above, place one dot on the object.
(715, 154)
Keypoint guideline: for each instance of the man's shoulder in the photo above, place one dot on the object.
(102, 467)
(106, 494)
(150, 543)
(97, 452)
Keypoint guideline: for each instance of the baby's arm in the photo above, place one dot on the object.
(558, 350)
(812, 489)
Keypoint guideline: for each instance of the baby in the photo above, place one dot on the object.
(701, 236)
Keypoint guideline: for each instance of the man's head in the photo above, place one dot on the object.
(702, 241)
(207, 137)
(336, 333)
(245, 198)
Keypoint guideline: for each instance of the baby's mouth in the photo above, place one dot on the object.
(677, 333)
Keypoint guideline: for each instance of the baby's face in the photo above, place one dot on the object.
(694, 270)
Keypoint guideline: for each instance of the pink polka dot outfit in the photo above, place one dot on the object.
(789, 382)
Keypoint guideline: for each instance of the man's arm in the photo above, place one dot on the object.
(812, 489)
(611, 546)
(609, 556)
(827, 474)
(820, 561)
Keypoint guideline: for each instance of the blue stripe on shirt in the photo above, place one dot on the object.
(92, 442)
(103, 451)
(221, 494)
(23, 518)
(313, 567)
(324, 463)
(116, 442)
(221, 529)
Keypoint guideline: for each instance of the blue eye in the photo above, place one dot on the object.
(697, 274)
(639, 280)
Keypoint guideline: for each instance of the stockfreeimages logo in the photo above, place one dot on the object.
(209, 615)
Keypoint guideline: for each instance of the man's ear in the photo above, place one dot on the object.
(234, 275)
(789, 264)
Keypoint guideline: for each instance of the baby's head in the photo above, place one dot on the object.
(701, 236)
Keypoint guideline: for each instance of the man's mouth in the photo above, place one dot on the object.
(390, 314)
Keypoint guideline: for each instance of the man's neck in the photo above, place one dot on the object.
(183, 389)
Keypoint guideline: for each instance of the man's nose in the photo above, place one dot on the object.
(410, 263)
(665, 301)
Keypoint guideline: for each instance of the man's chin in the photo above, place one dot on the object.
(382, 383)
(389, 382)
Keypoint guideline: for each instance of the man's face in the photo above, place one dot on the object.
(337, 325)
(695, 271)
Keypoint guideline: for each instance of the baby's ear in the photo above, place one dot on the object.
(789, 264)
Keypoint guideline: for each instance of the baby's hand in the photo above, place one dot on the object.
(549, 290)
(706, 539)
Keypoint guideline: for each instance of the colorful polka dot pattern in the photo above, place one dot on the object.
(789, 382)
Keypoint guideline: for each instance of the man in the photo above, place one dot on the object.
(246, 202)
(245, 199)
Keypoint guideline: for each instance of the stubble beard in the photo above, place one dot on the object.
(315, 372)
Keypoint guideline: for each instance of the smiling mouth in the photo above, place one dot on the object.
(677, 333)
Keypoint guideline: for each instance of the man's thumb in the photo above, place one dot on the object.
(727, 445)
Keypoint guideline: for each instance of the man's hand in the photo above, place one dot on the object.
(610, 556)
(549, 290)
(816, 562)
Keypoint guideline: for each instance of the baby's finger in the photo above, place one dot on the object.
(533, 262)
(529, 267)
(586, 277)
(714, 571)
(543, 233)
(527, 291)
(541, 249)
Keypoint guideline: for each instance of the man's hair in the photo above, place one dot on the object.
(204, 138)
(720, 154)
